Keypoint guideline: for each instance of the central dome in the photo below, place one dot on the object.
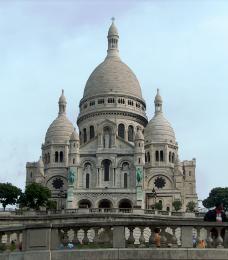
(112, 77)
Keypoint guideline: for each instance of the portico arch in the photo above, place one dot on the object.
(125, 204)
(84, 203)
(105, 204)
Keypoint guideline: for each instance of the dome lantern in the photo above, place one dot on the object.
(62, 104)
(113, 39)
(158, 103)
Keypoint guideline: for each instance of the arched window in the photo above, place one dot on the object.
(107, 137)
(148, 156)
(84, 203)
(91, 132)
(161, 156)
(45, 158)
(157, 156)
(145, 157)
(73, 161)
(173, 157)
(160, 202)
(106, 165)
(84, 135)
(130, 133)
(61, 156)
(121, 131)
(48, 158)
(125, 180)
(56, 156)
(170, 157)
(87, 181)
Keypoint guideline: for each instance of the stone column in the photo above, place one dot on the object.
(186, 237)
(118, 237)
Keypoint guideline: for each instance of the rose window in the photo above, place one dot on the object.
(159, 182)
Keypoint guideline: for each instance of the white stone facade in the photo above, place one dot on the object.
(118, 159)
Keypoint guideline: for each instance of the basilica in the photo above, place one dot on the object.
(118, 159)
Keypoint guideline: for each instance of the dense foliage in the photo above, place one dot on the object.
(177, 205)
(217, 195)
(191, 206)
(35, 196)
(158, 205)
(9, 194)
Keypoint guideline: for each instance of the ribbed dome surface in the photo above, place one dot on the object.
(112, 77)
(112, 30)
(159, 129)
(74, 136)
(60, 130)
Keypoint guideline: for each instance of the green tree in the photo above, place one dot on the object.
(158, 205)
(191, 206)
(177, 205)
(52, 204)
(35, 196)
(9, 194)
(217, 195)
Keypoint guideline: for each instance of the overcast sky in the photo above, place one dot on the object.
(180, 47)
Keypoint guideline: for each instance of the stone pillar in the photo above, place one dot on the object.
(55, 239)
(186, 237)
(118, 237)
(98, 177)
(66, 154)
(226, 238)
(37, 238)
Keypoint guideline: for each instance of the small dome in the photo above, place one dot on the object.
(74, 136)
(139, 135)
(60, 130)
(112, 77)
(159, 130)
(113, 30)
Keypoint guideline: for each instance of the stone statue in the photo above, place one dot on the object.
(71, 176)
(138, 175)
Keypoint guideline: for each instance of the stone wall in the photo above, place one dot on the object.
(120, 254)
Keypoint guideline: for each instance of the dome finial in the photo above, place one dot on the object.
(113, 38)
(158, 102)
(62, 104)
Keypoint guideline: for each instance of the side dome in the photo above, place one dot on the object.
(159, 129)
(112, 77)
(61, 128)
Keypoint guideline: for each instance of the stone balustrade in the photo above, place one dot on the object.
(99, 211)
(119, 232)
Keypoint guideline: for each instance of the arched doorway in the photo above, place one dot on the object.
(105, 204)
(82, 204)
(125, 204)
